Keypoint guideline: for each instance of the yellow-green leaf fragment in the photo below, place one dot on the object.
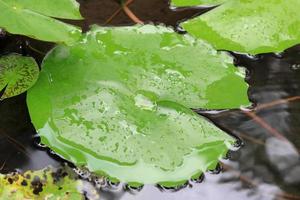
(40, 185)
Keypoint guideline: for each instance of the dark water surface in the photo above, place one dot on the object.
(267, 166)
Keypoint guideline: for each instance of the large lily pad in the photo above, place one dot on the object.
(17, 74)
(249, 26)
(33, 19)
(40, 185)
(183, 3)
(115, 103)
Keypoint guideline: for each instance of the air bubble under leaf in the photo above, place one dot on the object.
(118, 103)
(249, 26)
(33, 19)
(17, 74)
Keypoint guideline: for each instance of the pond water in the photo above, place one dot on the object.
(265, 166)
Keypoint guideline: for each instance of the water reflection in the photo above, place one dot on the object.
(215, 187)
(18, 151)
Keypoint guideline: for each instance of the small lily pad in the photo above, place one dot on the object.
(17, 74)
(118, 103)
(252, 27)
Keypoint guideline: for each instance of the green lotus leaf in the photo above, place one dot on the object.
(33, 19)
(17, 74)
(40, 185)
(184, 3)
(118, 103)
(249, 26)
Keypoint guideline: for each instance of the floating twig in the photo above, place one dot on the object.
(117, 12)
(265, 125)
(131, 15)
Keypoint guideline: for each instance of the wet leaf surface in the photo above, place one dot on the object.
(33, 19)
(17, 74)
(184, 3)
(125, 115)
(157, 60)
(271, 77)
(249, 26)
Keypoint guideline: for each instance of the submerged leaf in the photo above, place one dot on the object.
(182, 3)
(40, 185)
(17, 74)
(249, 26)
(115, 103)
(33, 19)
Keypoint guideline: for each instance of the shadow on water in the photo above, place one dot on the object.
(266, 167)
